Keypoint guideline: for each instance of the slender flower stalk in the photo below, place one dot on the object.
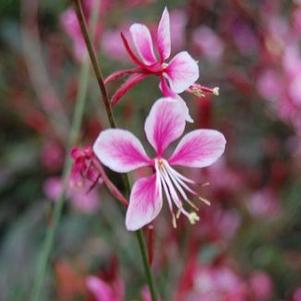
(106, 101)
(94, 61)
(57, 212)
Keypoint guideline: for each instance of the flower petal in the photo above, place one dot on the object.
(167, 92)
(182, 72)
(163, 36)
(199, 148)
(145, 203)
(164, 124)
(120, 150)
(184, 107)
(143, 43)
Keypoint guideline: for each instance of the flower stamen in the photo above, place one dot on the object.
(173, 185)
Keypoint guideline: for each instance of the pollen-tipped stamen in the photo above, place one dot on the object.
(172, 185)
(200, 90)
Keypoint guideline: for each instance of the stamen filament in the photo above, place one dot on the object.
(169, 201)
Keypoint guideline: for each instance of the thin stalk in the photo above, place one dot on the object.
(94, 61)
(107, 104)
(57, 211)
(43, 259)
(147, 269)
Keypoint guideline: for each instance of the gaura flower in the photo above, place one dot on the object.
(176, 76)
(122, 152)
(106, 291)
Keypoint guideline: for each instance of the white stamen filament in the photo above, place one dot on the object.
(174, 186)
(169, 201)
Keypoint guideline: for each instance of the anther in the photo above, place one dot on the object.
(174, 221)
(164, 65)
(193, 218)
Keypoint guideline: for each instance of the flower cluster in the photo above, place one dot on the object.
(122, 152)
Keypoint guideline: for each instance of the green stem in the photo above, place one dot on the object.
(107, 104)
(57, 211)
(94, 61)
(147, 269)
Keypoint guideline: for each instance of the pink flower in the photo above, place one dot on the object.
(261, 286)
(70, 24)
(175, 77)
(297, 294)
(209, 43)
(84, 167)
(218, 283)
(122, 152)
(264, 203)
(112, 47)
(81, 197)
(106, 291)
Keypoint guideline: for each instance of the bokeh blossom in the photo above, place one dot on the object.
(106, 291)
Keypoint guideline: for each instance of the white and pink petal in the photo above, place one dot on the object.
(143, 43)
(182, 72)
(199, 148)
(184, 107)
(145, 203)
(163, 36)
(120, 150)
(164, 124)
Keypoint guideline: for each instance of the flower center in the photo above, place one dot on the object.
(176, 188)
(164, 66)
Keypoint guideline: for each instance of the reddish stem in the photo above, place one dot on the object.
(119, 74)
(112, 188)
(126, 86)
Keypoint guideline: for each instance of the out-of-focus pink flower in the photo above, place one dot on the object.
(264, 203)
(297, 294)
(106, 291)
(261, 286)
(52, 155)
(71, 26)
(218, 283)
(52, 188)
(175, 76)
(219, 225)
(178, 20)
(84, 176)
(297, 20)
(81, 197)
(270, 85)
(209, 43)
(291, 60)
(244, 38)
(112, 47)
(84, 168)
(122, 152)
(230, 181)
(146, 295)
